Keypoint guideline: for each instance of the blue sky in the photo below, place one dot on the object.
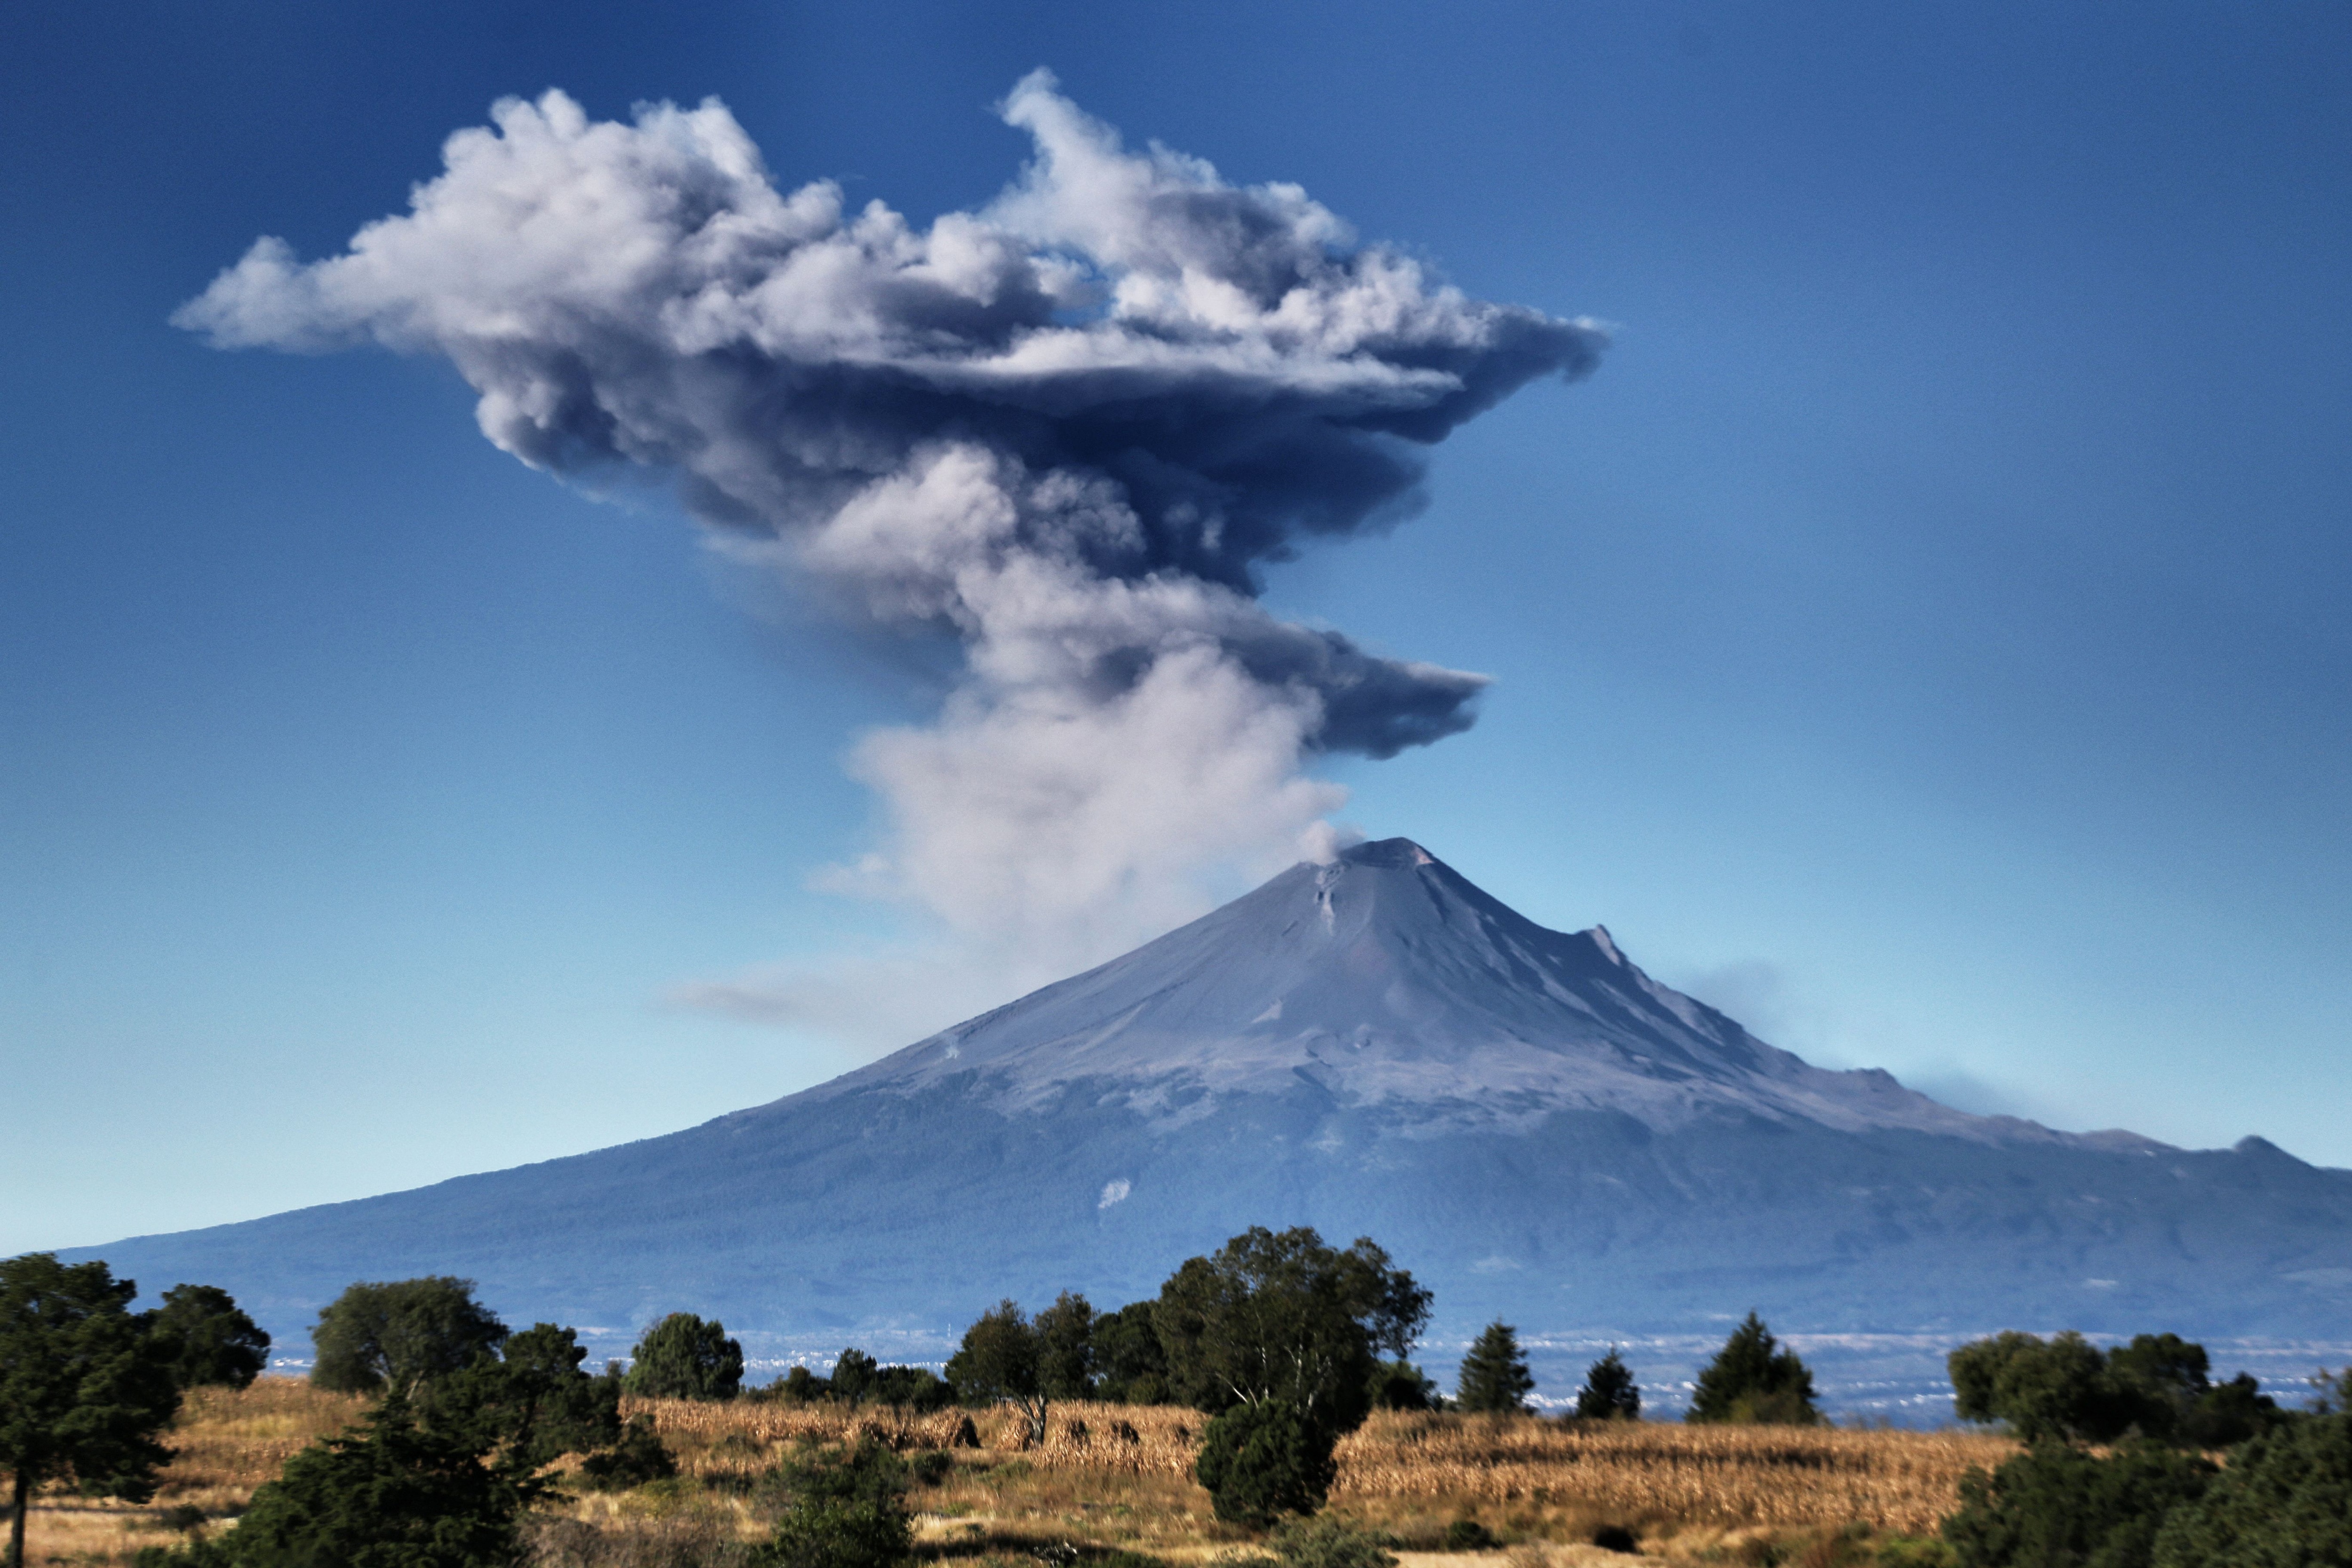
(1925, 634)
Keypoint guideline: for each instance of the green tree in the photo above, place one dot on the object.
(2285, 1498)
(913, 1387)
(685, 1357)
(2058, 1507)
(853, 1375)
(1752, 1379)
(1259, 1461)
(1494, 1376)
(1609, 1392)
(846, 1510)
(85, 1385)
(1130, 1363)
(531, 1403)
(2067, 1389)
(218, 1343)
(1066, 1358)
(401, 1334)
(1400, 1385)
(1287, 1322)
(392, 1492)
(1001, 1361)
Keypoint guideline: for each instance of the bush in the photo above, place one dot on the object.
(1752, 1380)
(929, 1468)
(638, 1456)
(2055, 1507)
(1467, 1535)
(683, 1357)
(1331, 1543)
(847, 1509)
(2287, 1498)
(1400, 1385)
(217, 1344)
(1261, 1461)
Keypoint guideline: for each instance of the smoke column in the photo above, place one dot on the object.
(1070, 430)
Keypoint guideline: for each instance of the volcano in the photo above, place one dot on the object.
(1531, 1124)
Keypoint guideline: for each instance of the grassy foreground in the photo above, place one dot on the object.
(1120, 1476)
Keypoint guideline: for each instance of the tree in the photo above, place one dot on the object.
(1400, 1385)
(2285, 1498)
(1751, 1379)
(1065, 1361)
(1001, 1361)
(1259, 1461)
(853, 1374)
(2068, 1390)
(531, 1403)
(2054, 1505)
(1286, 1326)
(1130, 1363)
(685, 1357)
(399, 1334)
(1493, 1375)
(85, 1385)
(392, 1492)
(217, 1344)
(1609, 1392)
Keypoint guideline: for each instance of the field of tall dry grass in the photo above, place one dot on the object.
(1120, 1476)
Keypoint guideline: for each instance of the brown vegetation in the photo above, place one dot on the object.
(1122, 1477)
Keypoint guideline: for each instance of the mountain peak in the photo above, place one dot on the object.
(1384, 979)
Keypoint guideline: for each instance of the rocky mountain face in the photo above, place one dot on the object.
(1374, 1047)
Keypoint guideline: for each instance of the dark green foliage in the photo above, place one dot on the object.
(1493, 1375)
(684, 1357)
(638, 1456)
(797, 1387)
(916, 1388)
(85, 1385)
(1263, 1460)
(853, 1374)
(401, 1334)
(1609, 1392)
(1752, 1380)
(2285, 1501)
(391, 1493)
(1066, 1348)
(217, 1344)
(2065, 1388)
(1330, 1543)
(929, 1468)
(1130, 1364)
(2058, 1507)
(1468, 1535)
(531, 1403)
(1001, 1359)
(1400, 1385)
(846, 1509)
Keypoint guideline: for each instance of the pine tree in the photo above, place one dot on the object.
(1494, 1373)
(1752, 1380)
(1609, 1392)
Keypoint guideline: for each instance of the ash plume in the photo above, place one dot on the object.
(1070, 430)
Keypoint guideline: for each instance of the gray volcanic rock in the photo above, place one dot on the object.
(1374, 1047)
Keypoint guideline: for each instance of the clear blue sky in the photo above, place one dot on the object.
(1927, 634)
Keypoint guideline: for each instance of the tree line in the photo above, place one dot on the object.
(1285, 1342)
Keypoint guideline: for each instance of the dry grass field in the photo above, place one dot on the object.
(1121, 1478)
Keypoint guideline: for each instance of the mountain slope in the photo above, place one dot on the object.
(1374, 1047)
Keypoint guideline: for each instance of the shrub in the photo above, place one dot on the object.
(1467, 1535)
(1752, 1380)
(2054, 1505)
(1400, 1385)
(847, 1509)
(637, 1458)
(1261, 1461)
(683, 1357)
(929, 1468)
(2287, 1498)
(1331, 1543)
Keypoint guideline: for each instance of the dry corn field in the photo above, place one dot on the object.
(1122, 1477)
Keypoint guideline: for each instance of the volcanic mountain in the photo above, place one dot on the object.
(1531, 1124)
